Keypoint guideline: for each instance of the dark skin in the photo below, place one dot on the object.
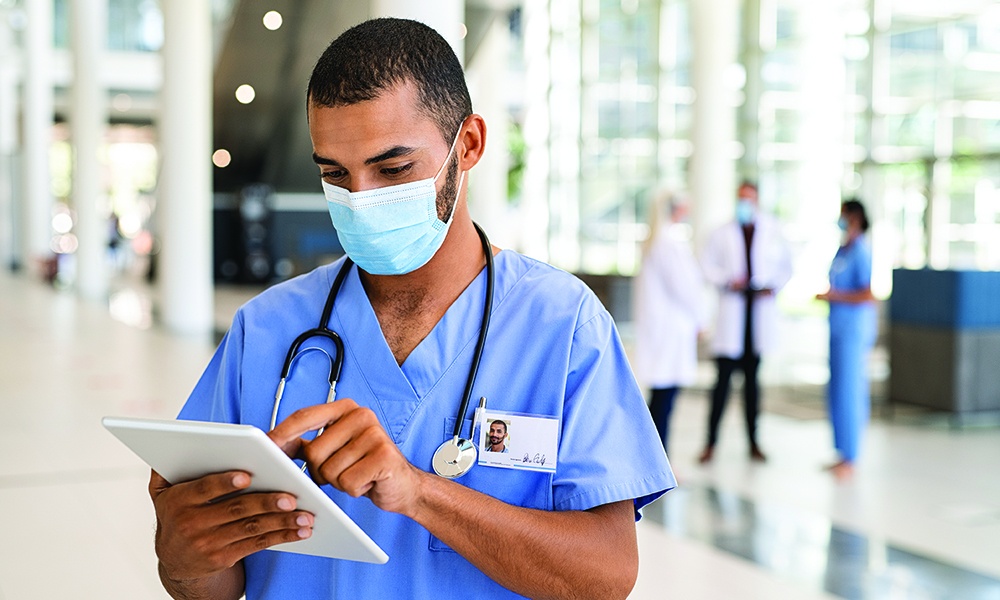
(498, 433)
(576, 554)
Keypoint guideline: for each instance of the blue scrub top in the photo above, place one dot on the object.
(552, 350)
(851, 271)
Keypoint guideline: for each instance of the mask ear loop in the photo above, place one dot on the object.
(461, 178)
(454, 143)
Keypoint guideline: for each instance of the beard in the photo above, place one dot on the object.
(448, 196)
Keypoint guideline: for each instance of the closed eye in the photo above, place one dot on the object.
(396, 171)
(333, 176)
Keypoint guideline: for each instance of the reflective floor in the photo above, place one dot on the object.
(920, 519)
(811, 551)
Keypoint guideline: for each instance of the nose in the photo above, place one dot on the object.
(362, 183)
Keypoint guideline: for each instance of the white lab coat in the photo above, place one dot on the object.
(670, 310)
(724, 260)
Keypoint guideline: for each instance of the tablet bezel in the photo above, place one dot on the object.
(185, 450)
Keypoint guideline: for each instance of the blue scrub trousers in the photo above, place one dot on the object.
(849, 397)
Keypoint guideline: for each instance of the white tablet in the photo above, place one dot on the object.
(185, 450)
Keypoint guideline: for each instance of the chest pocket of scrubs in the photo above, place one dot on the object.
(527, 489)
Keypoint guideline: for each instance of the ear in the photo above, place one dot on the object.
(471, 142)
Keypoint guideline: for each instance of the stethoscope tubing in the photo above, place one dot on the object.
(337, 361)
(323, 330)
(483, 329)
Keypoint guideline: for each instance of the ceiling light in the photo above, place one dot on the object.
(272, 20)
(245, 94)
(221, 158)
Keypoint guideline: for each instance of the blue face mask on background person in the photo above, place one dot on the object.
(745, 211)
(842, 224)
(391, 230)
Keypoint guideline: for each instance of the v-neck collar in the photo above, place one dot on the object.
(447, 349)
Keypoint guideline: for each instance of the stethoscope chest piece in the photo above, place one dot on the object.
(454, 458)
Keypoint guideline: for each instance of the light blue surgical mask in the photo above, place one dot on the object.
(745, 211)
(842, 223)
(391, 230)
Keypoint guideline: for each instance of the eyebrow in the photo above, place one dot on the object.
(394, 152)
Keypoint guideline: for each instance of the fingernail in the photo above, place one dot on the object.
(285, 504)
(304, 533)
(303, 521)
(241, 480)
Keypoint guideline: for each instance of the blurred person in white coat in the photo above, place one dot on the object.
(748, 261)
(670, 309)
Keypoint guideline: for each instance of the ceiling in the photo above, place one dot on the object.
(268, 138)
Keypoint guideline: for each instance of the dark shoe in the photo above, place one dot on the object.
(706, 455)
(756, 455)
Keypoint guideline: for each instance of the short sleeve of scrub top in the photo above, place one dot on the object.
(852, 267)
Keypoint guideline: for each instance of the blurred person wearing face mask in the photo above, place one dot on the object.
(669, 309)
(747, 261)
(852, 335)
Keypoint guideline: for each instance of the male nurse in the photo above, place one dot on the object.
(394, 138)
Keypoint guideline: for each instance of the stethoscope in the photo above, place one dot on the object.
(455, 456)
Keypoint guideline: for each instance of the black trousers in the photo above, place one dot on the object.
(720, 395)
(661, 404)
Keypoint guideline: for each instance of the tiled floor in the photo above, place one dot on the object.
(921, 519)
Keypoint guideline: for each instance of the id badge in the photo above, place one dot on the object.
(518, 441)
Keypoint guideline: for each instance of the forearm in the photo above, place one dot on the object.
(228, 584)
(535, 553)
(851, 297)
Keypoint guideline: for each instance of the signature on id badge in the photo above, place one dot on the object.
(518, 441)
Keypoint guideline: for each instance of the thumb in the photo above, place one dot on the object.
(291, 447)
(157, 484)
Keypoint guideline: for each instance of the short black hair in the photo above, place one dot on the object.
(854, 207)
(504, 423)
(377, 55)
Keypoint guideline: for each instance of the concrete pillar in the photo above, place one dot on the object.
(88, 120)
(8, 140)
(36, 202)
(715, 33)
(447, 17)
(534, 224)
(823, 126)
(488, 86)
(184, 207)
(749, 115)
(887, 239)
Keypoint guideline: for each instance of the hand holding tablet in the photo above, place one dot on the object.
(182, 451)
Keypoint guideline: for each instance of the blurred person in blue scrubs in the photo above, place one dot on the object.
(389, 112)
(669, 309)
(852, 335)
(748, 261)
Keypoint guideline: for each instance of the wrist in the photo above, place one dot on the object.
(417, 504)
(227, 584)
(431, 493)
(177, 588)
